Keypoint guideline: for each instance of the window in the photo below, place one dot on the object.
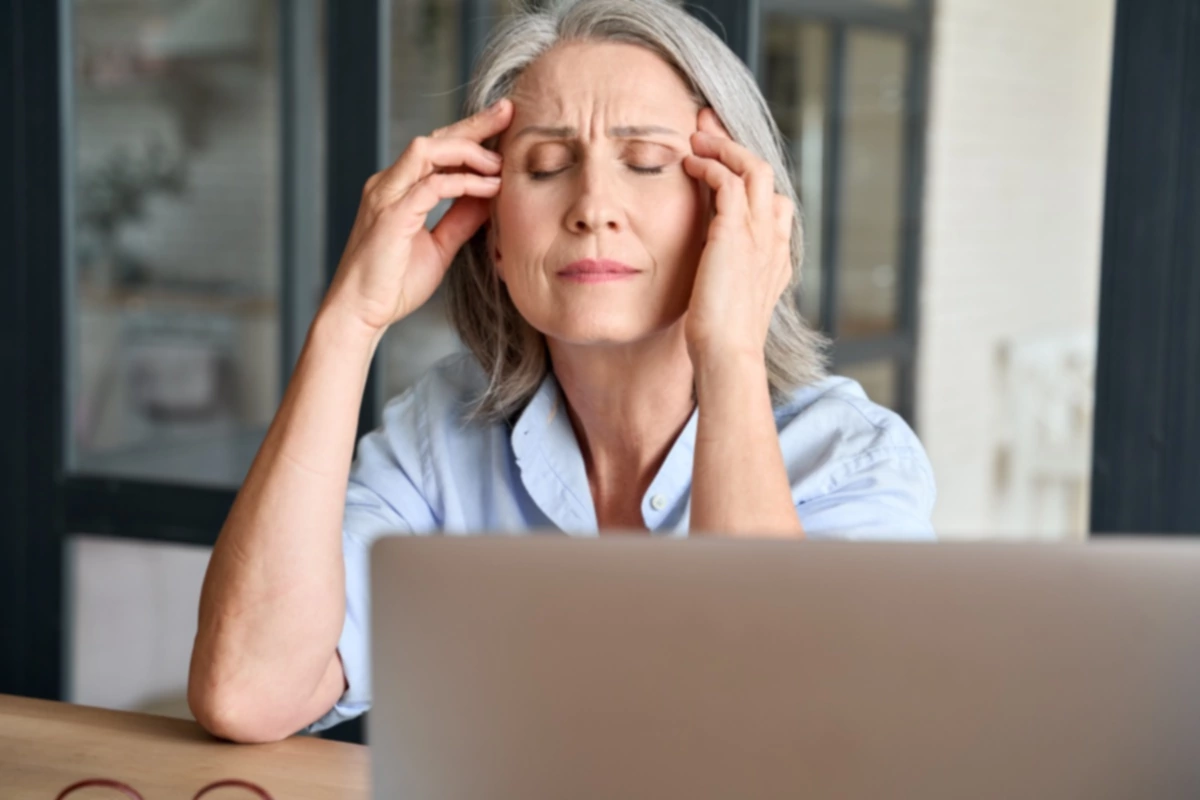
(194, 166)
(844, 82)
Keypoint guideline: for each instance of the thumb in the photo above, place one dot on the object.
(458, 225)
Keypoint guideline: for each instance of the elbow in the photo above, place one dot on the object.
(234, 715)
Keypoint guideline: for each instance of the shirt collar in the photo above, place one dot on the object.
(554, 474)
(551, 463)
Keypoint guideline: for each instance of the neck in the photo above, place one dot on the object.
(627, 404)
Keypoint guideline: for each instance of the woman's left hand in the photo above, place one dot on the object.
(746, 263)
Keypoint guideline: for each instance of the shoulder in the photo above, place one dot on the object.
(845, 453)
(423, 440)
(837, 412)
(428, 418)
(440, 400)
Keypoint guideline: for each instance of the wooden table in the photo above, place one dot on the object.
(46, 746)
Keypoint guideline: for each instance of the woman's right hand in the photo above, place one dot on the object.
(392, 263)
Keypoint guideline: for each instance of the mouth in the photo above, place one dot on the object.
(597, 270)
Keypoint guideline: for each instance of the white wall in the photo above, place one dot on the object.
(1016, 149)
(132, 617)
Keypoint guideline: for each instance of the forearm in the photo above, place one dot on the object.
(273, 601)
(739, 479)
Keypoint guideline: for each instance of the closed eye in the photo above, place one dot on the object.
(542, 175)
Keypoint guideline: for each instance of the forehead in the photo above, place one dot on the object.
(608, 77)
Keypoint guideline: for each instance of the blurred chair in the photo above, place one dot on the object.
(1045, 448)
(180, 371)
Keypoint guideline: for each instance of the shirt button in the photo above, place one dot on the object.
(658, 502)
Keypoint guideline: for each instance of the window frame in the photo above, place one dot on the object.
(1146, 435)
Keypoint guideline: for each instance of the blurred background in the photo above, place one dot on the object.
(950, 155)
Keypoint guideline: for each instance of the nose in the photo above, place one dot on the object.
(596, 206)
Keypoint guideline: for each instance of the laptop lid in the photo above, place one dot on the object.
(515, 668)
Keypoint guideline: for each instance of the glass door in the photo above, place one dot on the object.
(177, 164)
(193, 156)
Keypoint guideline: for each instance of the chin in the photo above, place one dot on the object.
(604, 329)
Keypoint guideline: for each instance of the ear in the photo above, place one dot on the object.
(494, 251)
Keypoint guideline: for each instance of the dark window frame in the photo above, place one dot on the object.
(1146, 441)
(31, 210)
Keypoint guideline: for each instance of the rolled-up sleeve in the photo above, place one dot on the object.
(857, 469)
(384, 497)
(879, 495)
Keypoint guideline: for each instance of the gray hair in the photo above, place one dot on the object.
(511, 351)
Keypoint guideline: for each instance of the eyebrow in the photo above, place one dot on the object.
(619, 132)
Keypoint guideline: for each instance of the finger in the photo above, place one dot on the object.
(785, 211)
(730, 189)
(480, 126)
(459, 224)
(416, 205)
(424, 156)
(759, 177)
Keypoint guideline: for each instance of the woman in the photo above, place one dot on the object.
(621, 269)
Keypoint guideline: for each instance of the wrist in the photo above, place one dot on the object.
(730, 369)
(722, 352)
(336, 324)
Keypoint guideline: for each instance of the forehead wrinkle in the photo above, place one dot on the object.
(618, 132)
(560, 101)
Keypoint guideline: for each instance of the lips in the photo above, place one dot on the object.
(592, 270)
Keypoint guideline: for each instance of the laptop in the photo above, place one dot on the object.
(536, 667)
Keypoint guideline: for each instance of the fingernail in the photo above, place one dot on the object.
(494, 107)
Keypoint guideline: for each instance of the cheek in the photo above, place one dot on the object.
(680, 215)
(522, 223)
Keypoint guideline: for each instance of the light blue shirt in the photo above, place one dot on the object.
(856, 469)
